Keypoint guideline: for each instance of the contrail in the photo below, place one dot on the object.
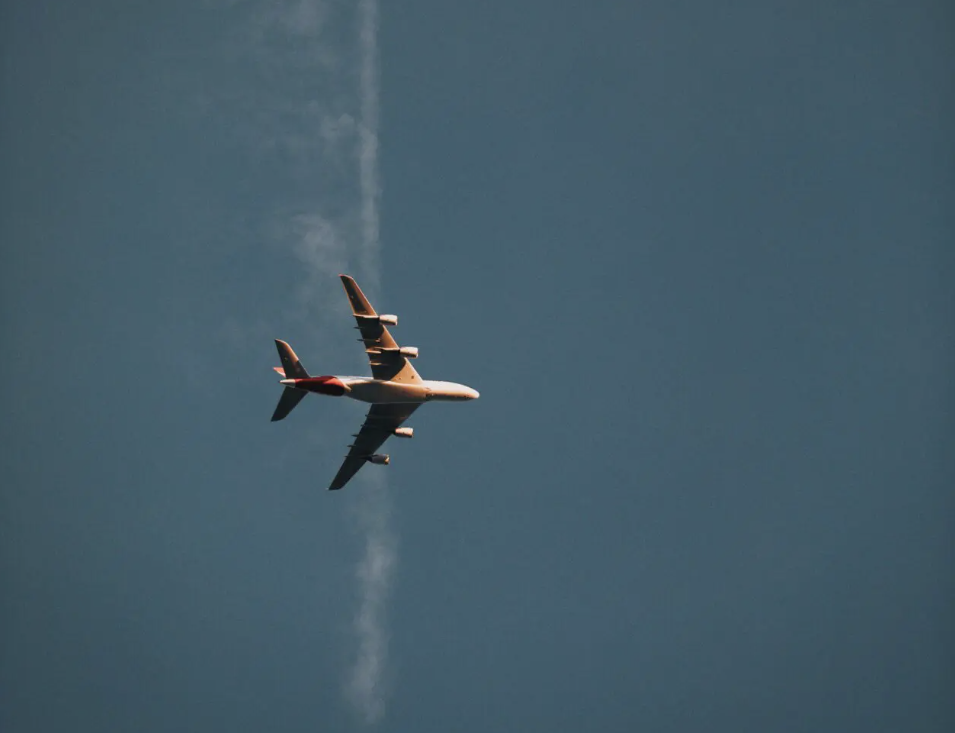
(374, 573)
(299, 112)
(368, 141)
(376, 568)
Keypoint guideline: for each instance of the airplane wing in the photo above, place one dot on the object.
(382, 349)
(380, 424)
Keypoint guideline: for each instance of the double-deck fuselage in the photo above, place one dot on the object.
(378, 391)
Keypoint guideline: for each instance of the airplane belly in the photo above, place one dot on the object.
(379, 392)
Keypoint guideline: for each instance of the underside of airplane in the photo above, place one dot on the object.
(394, 391)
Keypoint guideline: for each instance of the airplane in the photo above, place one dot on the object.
(395, 389)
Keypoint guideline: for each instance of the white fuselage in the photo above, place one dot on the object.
(380, 391)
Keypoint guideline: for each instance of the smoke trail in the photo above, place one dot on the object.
(376, 568)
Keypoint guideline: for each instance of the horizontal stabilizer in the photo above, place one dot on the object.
(287, 402)
(280, 370)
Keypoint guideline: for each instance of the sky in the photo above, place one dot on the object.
(696, 257)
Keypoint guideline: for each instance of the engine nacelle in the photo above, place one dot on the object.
(404, 432)
(386, 318)
(381, 460)
(409, 352)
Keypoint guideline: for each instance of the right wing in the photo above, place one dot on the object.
(380, 424)
(381, 348)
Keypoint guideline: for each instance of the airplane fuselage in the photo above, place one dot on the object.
(379, 391)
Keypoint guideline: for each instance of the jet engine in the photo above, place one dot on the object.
(409, 352)
(381, 460)
(404, 432)
(386, 318)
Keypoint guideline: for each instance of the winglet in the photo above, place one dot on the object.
(359, 303)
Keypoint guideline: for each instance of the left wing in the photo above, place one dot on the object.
(382, 349)
(380, 424)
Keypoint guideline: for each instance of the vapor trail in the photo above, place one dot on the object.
(368, 141)
(376, 568)
(302, 116)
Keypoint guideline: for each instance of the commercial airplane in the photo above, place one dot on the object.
(395, 390)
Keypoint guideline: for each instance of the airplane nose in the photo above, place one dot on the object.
(473, 394)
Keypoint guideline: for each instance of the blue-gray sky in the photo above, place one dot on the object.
(697, 259)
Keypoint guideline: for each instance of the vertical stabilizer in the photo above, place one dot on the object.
(291, 369)
(290, 362)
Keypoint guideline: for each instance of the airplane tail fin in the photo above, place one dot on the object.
(291, 365)
(287, 402)
(291, 369)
